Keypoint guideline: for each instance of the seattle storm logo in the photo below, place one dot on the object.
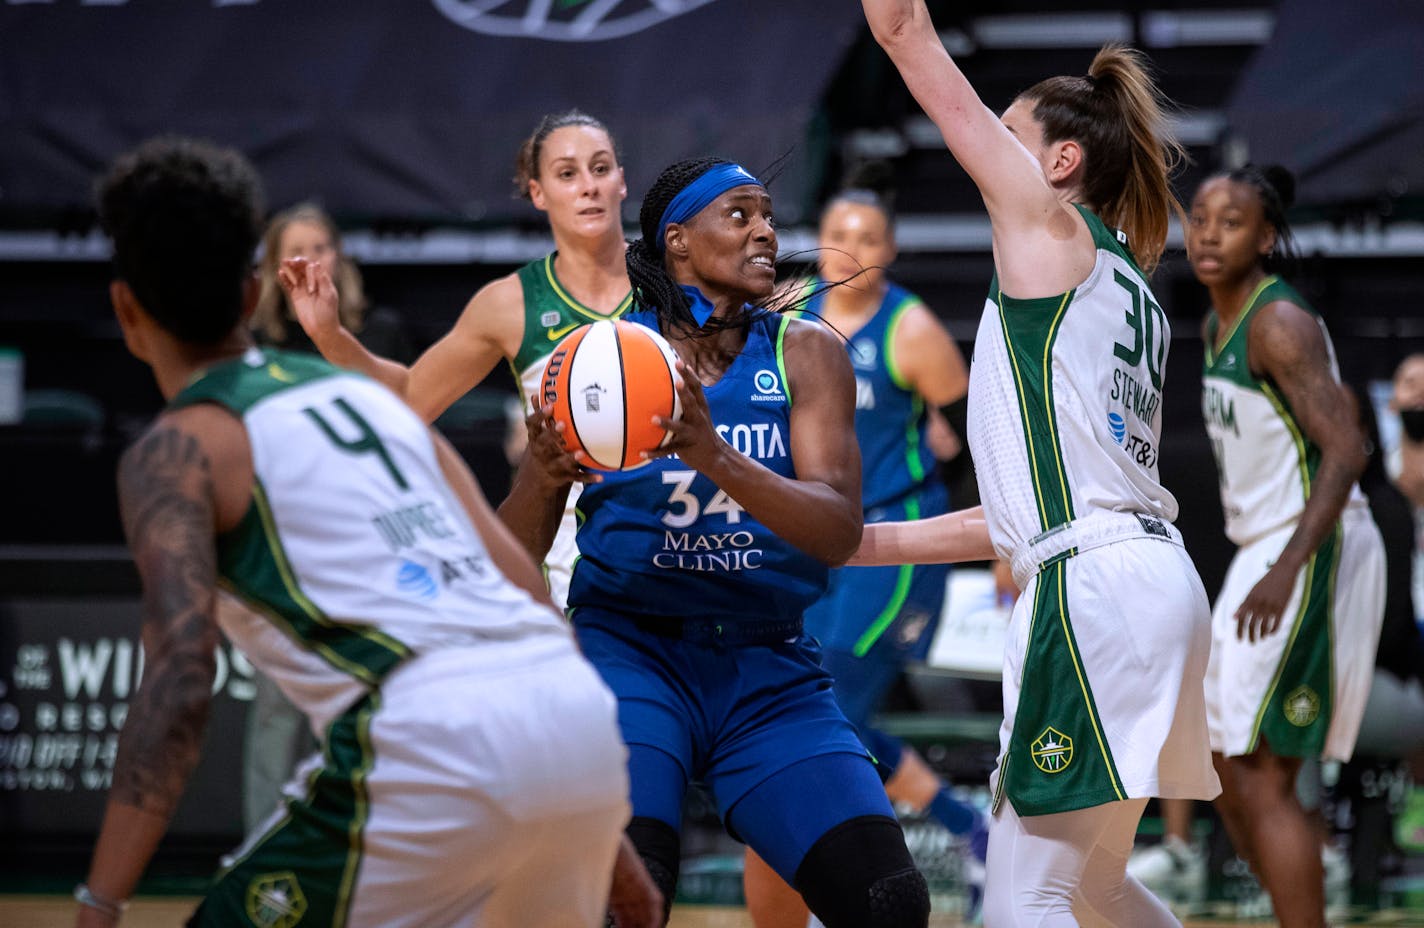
(1053, 751)
(1301, 706)
(563, 20)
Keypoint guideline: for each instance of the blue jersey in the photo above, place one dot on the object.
(664, 540)
(890, 418)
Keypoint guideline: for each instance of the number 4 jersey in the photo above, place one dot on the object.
(354, 552)
(1065, 401)
(663, 540)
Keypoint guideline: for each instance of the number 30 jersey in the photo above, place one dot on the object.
(1065, 401)
(664, 540)
(354, 552)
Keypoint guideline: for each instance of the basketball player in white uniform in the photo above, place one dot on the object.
(1108, 644)
(1296, 624)
(471, 769)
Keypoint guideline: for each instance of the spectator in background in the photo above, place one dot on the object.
(306, 231)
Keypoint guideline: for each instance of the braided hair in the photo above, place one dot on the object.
(653, 286)
(1275, 188)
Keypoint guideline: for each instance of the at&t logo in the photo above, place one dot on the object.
(563, 20)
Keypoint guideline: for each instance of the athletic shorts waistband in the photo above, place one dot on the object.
(1084, 534)
(709, 633)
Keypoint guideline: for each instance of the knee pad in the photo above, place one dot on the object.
(860, 875)
(661, 849)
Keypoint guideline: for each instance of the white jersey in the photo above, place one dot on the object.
(355, 553)
(1264, 460)
(1065, 401)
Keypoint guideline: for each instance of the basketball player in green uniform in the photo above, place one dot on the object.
(385, 599)
(1107, 647)
(568, 168)
(1296, 624)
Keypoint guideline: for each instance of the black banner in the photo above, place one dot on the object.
(68, 667)
(410, 110)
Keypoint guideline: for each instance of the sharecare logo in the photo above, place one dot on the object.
(563, 20)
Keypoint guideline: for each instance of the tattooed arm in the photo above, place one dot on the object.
(1287, 344)
(170, 514)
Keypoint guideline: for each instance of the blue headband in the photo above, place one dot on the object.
(693, 198)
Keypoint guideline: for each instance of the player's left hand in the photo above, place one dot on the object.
(692, 438)
(1261, 610)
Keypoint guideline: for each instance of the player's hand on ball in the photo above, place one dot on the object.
(1260, 612)
(546, 458)
(692, 438)
(313, 296)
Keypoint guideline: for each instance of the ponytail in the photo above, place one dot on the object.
(1119, 117)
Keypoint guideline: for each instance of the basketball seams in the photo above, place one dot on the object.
(618, 332)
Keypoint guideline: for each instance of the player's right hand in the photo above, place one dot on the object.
(312, 295)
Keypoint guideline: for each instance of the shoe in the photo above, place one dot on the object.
(1173, 862)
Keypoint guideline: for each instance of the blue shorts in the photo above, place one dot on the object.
(733, 718)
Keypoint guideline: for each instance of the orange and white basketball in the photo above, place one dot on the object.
(606, 381)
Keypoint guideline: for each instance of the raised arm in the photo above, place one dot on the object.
(167, 498)
(490, 327)
(1287, 344)
(819, 510)
(1008, 177)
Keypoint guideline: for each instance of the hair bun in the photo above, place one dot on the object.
(876, 175)
(1284, 182)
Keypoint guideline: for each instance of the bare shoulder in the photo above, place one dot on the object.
(201, 452)
(811, 335)
(1283, 332)
(495, 307)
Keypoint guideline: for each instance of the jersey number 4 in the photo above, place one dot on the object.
(365, 440)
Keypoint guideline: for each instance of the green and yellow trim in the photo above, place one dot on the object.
(887, 349)
(898, 596)
(783, 324)
(1214, 344)
(1050, 481)
(255, 566)
(575, 305)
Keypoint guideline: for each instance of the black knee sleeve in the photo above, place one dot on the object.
(860, 875)
(661, 849)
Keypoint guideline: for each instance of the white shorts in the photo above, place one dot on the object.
(477, 786)
(1305, 686)
(1105, 655)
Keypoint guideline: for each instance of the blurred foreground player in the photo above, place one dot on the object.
(390, 605)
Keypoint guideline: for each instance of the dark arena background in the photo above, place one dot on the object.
(403, 119)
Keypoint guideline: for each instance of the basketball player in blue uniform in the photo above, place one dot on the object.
(873, 620)
(694, 570)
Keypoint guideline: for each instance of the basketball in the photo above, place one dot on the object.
(606, 381)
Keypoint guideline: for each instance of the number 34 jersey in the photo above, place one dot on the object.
(1065, 401)
(664, 540)
(354, 552)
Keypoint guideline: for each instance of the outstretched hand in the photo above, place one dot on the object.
(692, 437)
(312, 295)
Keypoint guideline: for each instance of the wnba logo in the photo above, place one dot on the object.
(567, 21)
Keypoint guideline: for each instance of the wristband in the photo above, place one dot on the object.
(85, 897)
